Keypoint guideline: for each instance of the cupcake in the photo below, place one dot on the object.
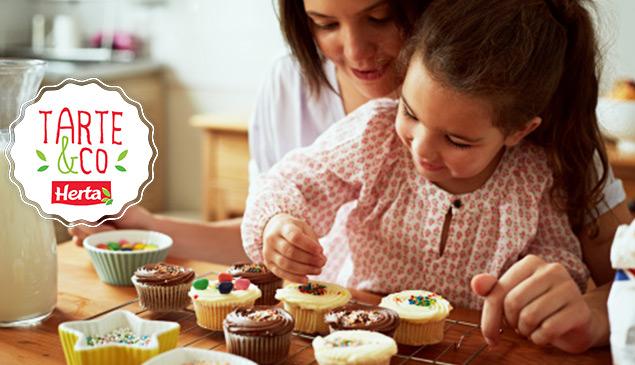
(309, 303)
(163, 287)
(261, 277)
(260, 333)
(422, 316)
(358, 347)
(213, 300)
(363, 317)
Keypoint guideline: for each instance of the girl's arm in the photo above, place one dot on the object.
(312, 183)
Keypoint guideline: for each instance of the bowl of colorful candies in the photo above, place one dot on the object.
(117, 254)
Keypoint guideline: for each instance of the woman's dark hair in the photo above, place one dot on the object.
(296, 28)
(529, 58)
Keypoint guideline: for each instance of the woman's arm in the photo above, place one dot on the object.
(217, 242)
(596, 251)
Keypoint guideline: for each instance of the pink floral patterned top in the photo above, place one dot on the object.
(380, 222)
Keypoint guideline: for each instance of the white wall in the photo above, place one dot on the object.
(15, 21)
(616, 27)
(218, 52)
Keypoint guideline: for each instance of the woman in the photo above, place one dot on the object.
(345, 54)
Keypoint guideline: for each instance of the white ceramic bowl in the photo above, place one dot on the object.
(117, 267)
(617, 120)
(184, 355)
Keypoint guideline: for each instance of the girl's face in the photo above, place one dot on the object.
(450, 135)
(361, 38)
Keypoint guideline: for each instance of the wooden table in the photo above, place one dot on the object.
(82, 296)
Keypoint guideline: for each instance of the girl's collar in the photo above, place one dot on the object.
(425, 186)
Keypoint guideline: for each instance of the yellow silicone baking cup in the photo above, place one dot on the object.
(163, 337)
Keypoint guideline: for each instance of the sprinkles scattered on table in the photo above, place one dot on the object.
(422, 300)
(124, 245)
(122, 336)
(313, 289)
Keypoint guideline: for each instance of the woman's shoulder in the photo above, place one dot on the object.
(284, 75)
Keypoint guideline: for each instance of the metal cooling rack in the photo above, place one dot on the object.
(462, 342)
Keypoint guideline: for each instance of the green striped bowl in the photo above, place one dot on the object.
(117, 267)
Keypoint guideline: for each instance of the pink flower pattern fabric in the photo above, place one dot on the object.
(357, 187)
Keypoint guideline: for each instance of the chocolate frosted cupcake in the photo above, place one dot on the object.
(363, 317)
(163, 287)
(259, 333)
(260, 276)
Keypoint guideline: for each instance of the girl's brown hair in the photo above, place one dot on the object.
(296, 28)
(530, 58)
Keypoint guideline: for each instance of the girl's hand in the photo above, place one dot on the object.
(136, 217)
(540, 300)
(291, 249)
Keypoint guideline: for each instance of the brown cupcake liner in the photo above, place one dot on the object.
(308, 320)
(162, 298)
(261, 349)
(210, 315)
(269, 293)
(417, 334)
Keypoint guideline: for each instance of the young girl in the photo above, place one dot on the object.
(477, 173)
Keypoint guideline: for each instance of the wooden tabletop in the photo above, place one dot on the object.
(82, 296)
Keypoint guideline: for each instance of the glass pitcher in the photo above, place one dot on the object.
(28, 251)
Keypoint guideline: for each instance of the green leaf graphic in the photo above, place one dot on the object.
(42, 168)
(106, 192)
(104, 200)
(120, 168)
(122, 155)
(109, 202)
(40, 155)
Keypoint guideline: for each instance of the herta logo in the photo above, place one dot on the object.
(81, 152)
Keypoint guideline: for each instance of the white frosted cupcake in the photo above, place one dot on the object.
(422, 316)
(213, 300)
(309, 303)
(355, 347)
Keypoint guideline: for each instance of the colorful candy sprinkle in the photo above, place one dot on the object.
(225, 287)
(242, 284)
(125, 245)
(225, 277)
(422, 300)
(201, 284)
(123, 336)
(312, 288)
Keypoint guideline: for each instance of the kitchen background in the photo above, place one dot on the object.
(201, 63)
